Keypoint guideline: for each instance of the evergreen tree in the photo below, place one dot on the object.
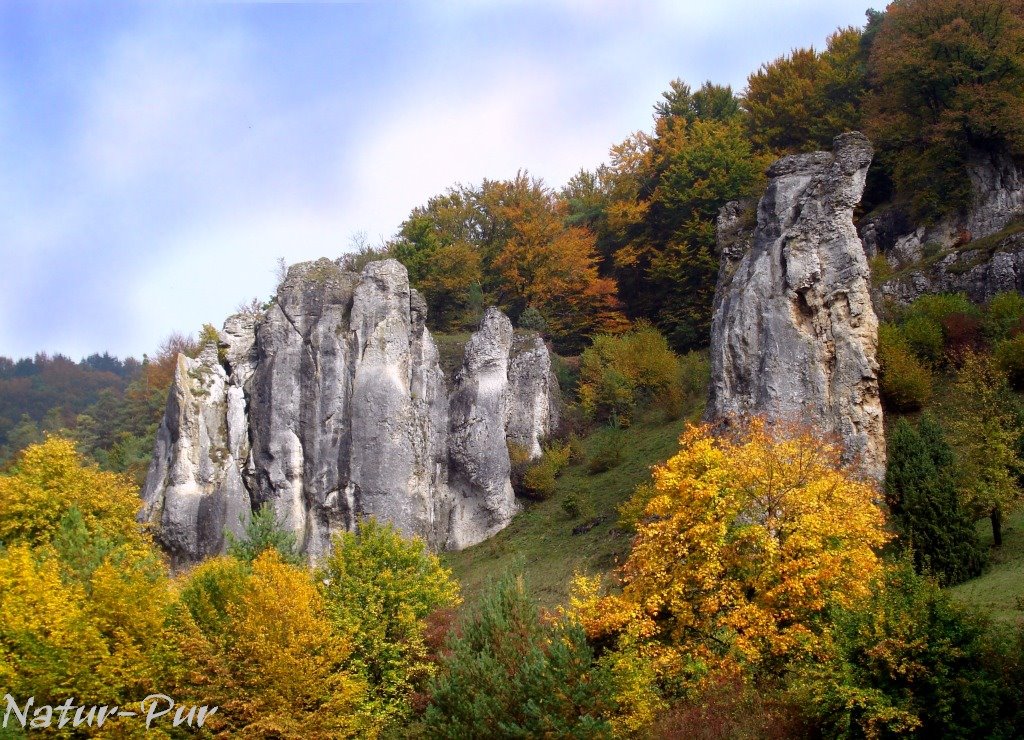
(263, 532)
(511, 674)
(926, 509)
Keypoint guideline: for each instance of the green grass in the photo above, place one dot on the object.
(1000, 589)
(540, 538)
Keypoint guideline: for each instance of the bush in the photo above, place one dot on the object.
(567, 370)
(904, 382)
(880, 269)
(1004, 316)
(694, 375)
(532, 320)
(263, 532)
(508, 673)
(577, 504)
(924, 336)
(519, 459)
(620, 374)
(1009, 355)
(963, 334)
(539, 482)
(607, 453)
(731, 708)
(538, 476)
(577, 452)
(907, 660)
(380, 589)
(940, 305)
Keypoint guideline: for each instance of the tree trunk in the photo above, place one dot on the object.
(997, 526)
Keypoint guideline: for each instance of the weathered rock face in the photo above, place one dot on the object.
(331, 406)
(980, 273)
(997, 184)
(794, 333)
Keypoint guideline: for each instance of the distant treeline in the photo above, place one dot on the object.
(109, 406)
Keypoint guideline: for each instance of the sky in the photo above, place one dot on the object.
(157, 159)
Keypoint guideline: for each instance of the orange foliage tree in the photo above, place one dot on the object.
(508, 242)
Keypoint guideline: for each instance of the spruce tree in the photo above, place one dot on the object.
(926, 510)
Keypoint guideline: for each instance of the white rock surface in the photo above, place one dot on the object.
(794, 334)
(331, 406)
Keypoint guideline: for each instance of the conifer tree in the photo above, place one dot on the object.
(510, 674)
(926, 509)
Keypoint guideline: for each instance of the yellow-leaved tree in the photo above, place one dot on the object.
(261, 647)
(83, 594)
(49, 479)
(742, 543)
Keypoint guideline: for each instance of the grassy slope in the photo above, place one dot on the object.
(540, 538)
(1001, 587)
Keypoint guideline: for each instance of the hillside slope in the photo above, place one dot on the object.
(541, 541)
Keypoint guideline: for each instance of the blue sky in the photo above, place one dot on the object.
(157, 159)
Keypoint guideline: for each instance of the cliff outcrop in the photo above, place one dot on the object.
(331, 405)
(794, 333)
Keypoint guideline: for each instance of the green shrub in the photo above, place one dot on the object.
(880, 268)
(532, 320)
(607, 394)
(931, 250)
(906, 661)
(1004, 315)
(577, 504)
(380, 589)
(904, 382)
(264, 532)
(519, 460)
(607, 453)
(209, 334)
(694, 375)
(577, 452)
(509, 673)
(940, 305)
(622, 373)
(538, 478)
(1009, 355)
(924, 337)
(539, 482)
(567, 371)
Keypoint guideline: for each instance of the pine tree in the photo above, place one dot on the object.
(263, 532)
(510, 674)
(926, 509)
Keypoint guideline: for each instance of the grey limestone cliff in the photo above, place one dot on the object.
(331, 406)
(794, 333)
(979, 251)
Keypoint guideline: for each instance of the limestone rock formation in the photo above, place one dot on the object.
(981, 272)
(794, 333)
(331, 406)
(997, 186)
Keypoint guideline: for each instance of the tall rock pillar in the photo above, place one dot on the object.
(794, 334)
